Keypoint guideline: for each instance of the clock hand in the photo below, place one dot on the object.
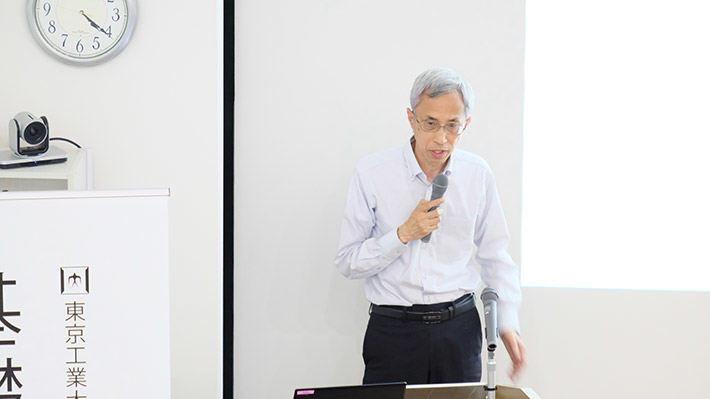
(93, 24)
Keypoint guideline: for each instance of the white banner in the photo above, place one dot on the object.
(84, 307)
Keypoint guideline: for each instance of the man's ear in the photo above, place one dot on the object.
(467, 122)
(410, 116)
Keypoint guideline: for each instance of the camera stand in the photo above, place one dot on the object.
(8, 160)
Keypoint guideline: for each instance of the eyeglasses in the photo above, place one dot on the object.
(429, 126)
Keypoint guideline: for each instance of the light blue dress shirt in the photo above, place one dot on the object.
(384, 189)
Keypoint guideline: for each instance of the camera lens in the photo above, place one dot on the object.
(35, 133)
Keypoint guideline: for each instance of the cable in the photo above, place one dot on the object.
(63, 139)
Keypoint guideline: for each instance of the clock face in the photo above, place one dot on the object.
(82, 31)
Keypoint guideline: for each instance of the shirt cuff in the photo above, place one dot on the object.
(508, 318)
(391, 246)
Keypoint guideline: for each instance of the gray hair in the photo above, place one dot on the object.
(438, 81)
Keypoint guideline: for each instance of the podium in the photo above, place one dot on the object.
(465, 391)
(402, 391)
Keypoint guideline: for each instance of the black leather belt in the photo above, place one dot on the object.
(448, 311)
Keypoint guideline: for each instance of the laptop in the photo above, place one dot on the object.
(373, 391)
(447, 391)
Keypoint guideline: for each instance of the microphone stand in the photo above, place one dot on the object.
(489, 296)
(491, 380)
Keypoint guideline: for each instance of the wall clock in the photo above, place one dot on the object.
(82, 32)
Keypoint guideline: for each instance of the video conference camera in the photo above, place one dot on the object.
(29, 136)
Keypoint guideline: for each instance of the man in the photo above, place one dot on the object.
(424, 327)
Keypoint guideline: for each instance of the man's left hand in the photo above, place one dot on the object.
(516, 351)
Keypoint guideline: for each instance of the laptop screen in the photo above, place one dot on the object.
(375, 391)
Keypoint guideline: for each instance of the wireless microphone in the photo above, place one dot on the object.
(439, 186)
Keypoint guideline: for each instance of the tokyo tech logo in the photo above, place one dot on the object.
(75, 280)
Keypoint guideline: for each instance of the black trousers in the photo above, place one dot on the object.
(396, 350)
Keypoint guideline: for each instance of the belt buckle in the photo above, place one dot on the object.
(431, 317)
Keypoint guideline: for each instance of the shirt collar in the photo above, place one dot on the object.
(413, 168)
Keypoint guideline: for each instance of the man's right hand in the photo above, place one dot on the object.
(421, 222)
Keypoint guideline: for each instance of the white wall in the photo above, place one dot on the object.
(321, 83)
(153, 118)
(590, 344)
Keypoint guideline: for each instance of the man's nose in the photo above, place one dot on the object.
(440, 135)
